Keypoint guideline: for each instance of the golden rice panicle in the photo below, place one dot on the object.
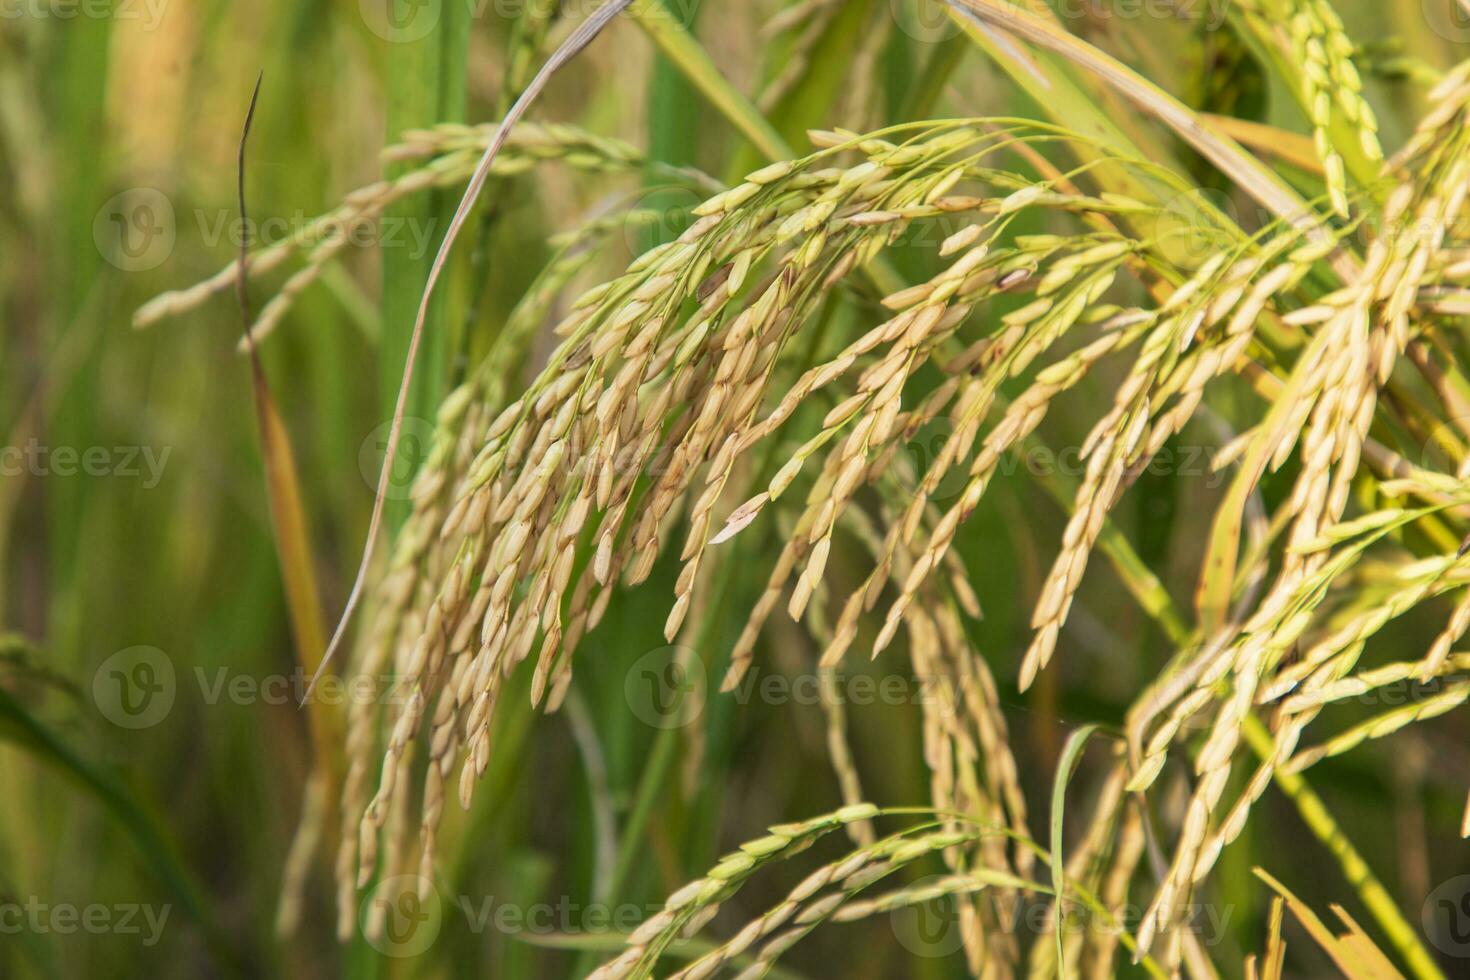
(1025, 334)
(1338, 378)
(1316, 95)
(450, 152)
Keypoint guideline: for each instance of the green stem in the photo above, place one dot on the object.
(658, 765)
(427, 87)
(19, 726)
(941, 65)
(685, 53)
(1319, 821)
(655, 774)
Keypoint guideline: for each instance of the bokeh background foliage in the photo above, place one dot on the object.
(122, 103)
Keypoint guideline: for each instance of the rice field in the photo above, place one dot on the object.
(651, 488)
